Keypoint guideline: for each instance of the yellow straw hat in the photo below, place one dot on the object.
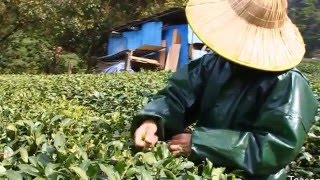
(253, 33)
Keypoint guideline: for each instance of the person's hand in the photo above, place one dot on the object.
(145, 136)
(180, 145)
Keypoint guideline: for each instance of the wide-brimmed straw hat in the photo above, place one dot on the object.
(253, 33)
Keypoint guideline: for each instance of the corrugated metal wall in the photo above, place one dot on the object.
(116, 44)
(152, 33)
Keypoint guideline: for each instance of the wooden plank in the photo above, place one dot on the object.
(144, 60)
(162, 55)
(146, 50)
(173, 58)
(191, 48)
(176, 39)
(151, 48)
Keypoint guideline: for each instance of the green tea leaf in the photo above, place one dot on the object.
(33, 160)
(58, 117)
(24, 154)
(192, 176)
(145, 175)
(12, 131)
(41, 138)
(59, 141)
(162, 150)
(207, 168)
(2, 170)
(26, 168)
(80, 172)
(217, 172)
(39, 178)
(47, 148)
(85, 165)
(8, 152)
(121, 166)
(12, 127)
(83, 154)
(149, 158)
(169, 174)
(43, 159)
(13, 175)
(50, 169)
(132, 171)
(186, 165)
(110, 172)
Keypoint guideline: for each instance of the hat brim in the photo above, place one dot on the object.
(221, 29)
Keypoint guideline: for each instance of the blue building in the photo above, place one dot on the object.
(162, 41)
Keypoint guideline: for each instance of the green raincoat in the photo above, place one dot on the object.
(245, 119)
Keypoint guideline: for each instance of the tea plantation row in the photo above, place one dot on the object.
(77, 127)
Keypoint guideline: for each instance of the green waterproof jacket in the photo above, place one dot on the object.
(245, 119)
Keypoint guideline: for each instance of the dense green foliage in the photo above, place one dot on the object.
(69, 126)
(80, 27)
(25, 54)
(308, 162)
(66, 127)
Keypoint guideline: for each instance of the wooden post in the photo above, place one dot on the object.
(128, 61)
(69, 68)
(191, 51)
(162, 55)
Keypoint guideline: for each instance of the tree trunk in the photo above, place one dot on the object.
(91, 59)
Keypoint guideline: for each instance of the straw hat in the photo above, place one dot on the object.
(253, 33)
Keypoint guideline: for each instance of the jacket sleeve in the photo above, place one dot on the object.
(273, 141)
(172, 106)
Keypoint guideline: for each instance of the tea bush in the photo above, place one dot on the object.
(70, 127)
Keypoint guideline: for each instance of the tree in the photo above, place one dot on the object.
(22, 48)
(24, 53)
(306, 14)
(16, 15)
(81, 27)
(154, 6)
